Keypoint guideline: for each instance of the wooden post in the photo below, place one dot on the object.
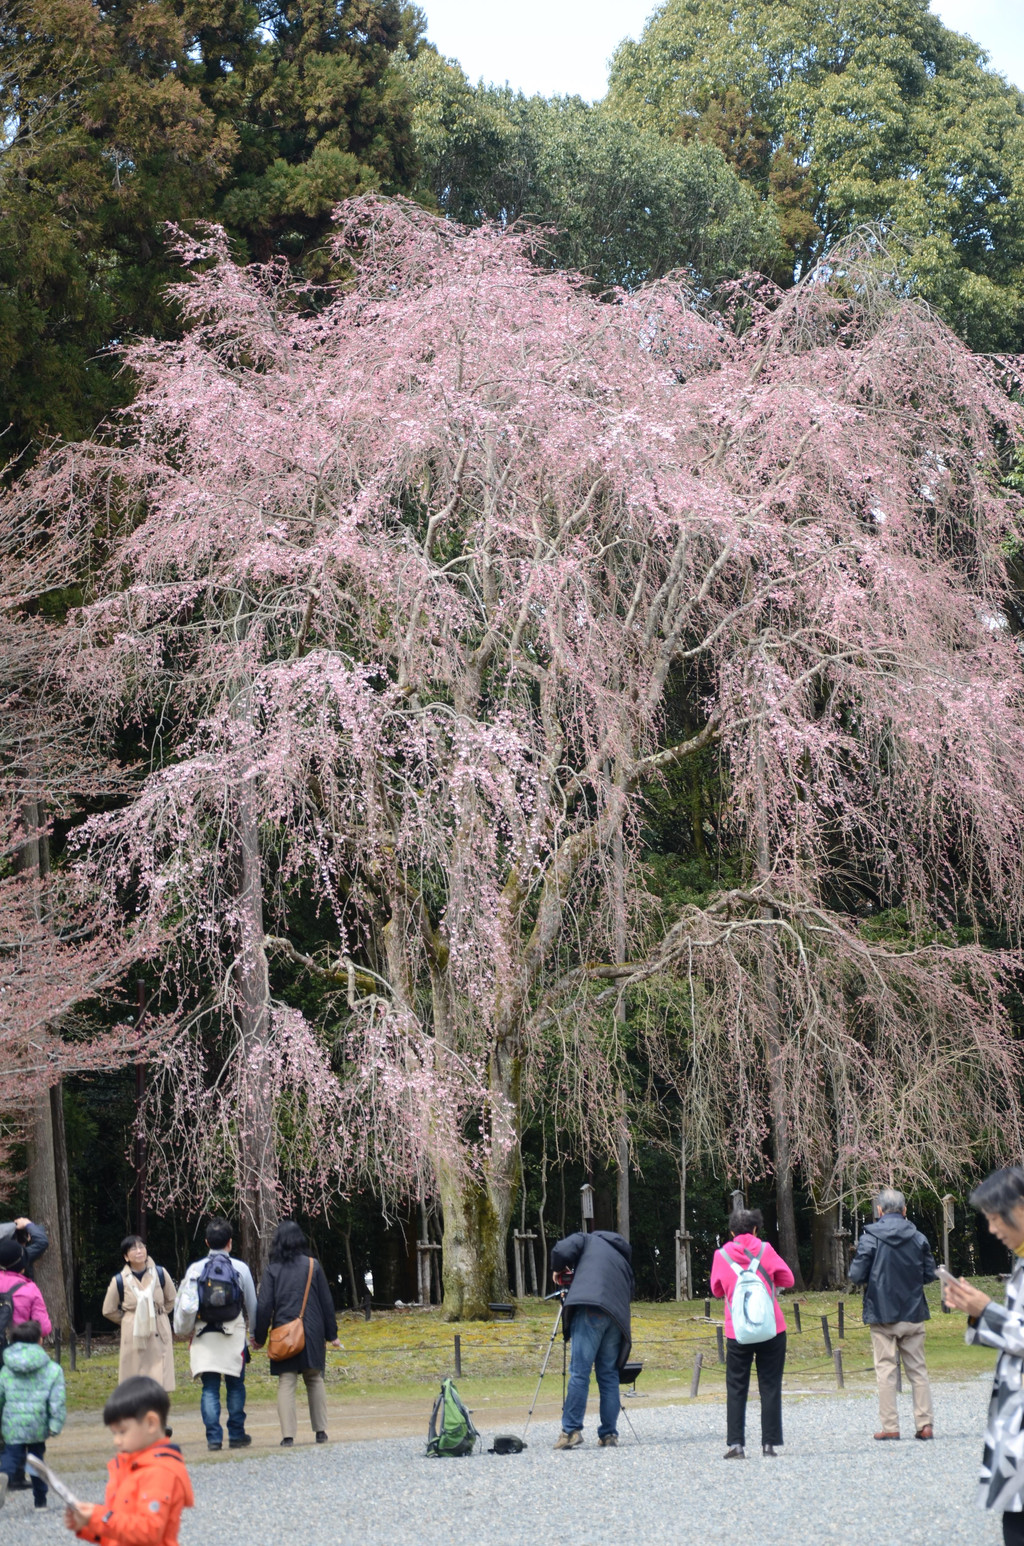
(458, 1356)
(796, 1316)
(948, 1220)
(837, 1359)
(707, 1309)
(824, 1332)
(720, 1339)
(841, 1316)
(684, 1281)
(698, 1364)
(517, 1251)
(587, 1207)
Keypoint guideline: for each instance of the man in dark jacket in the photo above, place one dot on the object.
(596, 1273)
(32, 1240)
(894, 1261)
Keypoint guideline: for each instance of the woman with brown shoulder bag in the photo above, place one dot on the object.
(295, 1317)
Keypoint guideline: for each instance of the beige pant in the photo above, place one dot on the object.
(287, 1384)
(907, 1339)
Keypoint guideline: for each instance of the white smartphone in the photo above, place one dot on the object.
(945, 1276)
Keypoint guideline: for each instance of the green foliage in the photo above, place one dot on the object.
(117, 119)
(620, 203)
(860, 112)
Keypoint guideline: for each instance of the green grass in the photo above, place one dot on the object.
(401, 1355)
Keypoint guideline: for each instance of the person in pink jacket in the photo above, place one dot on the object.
(745, 1227)
(27, 1301)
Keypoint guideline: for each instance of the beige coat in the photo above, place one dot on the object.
(156, 1358)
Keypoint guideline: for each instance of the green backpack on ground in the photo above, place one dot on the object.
(451, 1430)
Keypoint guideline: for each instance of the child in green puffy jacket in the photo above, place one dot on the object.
(32, 1408)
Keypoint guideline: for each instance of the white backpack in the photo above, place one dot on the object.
(753, 1303)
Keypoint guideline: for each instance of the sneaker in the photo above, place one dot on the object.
(4, 1479)
(570, 1440)
(213, 1446)
(735, 1452)
(287, 1443)
(610, 1441)
(885, 1434)
(926, 1432)
(242, 1443)
(321, 1437)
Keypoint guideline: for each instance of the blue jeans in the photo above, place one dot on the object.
(12, 1463)
(596, 1343)
(209, 1406)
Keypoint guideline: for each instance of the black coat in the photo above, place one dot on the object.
(280, 1300)
(895, 1261)
(603, 1279)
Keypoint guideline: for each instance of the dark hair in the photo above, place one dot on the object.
(288, 1242)
(129, 1241)
(745, 1221)
(1001, 1193)
(218, 1234)
(28, 1331)
(136, 1397)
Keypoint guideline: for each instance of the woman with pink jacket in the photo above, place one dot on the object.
(26, 1300)
(745, 1226)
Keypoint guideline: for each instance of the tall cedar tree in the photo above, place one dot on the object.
(116, 119)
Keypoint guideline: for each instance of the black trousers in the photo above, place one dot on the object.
(770, 1358)
(1013, 1530)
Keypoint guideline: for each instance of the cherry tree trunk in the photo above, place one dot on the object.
(788, 1246)
(257, 1157)
(49, 1202)
(478, 1213)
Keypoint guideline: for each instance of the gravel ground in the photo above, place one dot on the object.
(832, 1484)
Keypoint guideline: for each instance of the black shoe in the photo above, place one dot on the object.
(40, 1503)
(735, 1452)
(242, 1443)
(321, 1437)
(213, 1446)
(287, 1443)
(769, 1452)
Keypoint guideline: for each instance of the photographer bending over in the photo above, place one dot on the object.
(597, 1277)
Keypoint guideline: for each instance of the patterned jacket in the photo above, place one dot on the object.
(32, 1399)
(1002, 1465)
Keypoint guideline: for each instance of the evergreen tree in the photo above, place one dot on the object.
(860, 112)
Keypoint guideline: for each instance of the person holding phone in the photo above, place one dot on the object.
(1001, 1486)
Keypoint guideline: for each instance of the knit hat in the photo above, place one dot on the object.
(11, 1252)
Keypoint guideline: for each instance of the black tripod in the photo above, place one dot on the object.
(560, 1296)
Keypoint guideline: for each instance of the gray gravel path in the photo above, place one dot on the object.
(832, 1486)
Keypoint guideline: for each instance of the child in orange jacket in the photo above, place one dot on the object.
(149, 1485)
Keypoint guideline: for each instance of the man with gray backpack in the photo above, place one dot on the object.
(747, 1273)
(216, 1298)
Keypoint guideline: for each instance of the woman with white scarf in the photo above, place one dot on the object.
(140, 1300)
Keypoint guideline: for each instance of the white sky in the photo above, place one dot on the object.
(563, 46)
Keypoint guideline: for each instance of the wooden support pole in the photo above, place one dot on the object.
(796, 1316)
(842, 1320)
(837, 1359)
(698, 1364)
(825, 1334)
(458, 1356)
(720, 1339)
